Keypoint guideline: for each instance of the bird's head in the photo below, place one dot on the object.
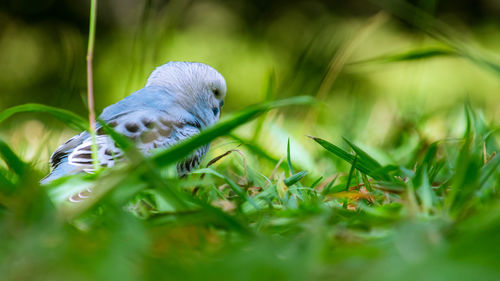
(195, 86)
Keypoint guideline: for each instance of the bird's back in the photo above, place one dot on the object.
(148, 117)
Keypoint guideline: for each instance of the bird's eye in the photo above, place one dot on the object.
(216, 93)
(215, 110)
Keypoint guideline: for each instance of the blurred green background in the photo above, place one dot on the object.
(391, 76)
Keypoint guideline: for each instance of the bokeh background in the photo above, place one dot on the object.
(391, 76)
(43, 47)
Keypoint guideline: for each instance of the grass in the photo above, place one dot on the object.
(433, 218)
(315, 208)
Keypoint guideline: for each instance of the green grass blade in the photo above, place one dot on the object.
(351, 173)
(361, 165)
(335, 149)
(409, 56)
(364, 157)
(489, 169)
(72, 120)
(183, 149)
(5, 184)
(465, 181)
(367, 183)
(425, 192)
(231, 184)
(328, 189)
(316, 182)
(14, 163)
(288, 158)
(425, 166)
(294, 178)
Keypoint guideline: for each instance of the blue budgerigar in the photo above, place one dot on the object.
(179, 100)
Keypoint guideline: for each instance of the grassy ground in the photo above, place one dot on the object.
(344, 184)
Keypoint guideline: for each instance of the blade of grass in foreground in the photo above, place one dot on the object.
(5, 184)
(74, 121)
(13, 162)
(15, 165)
(183, 149)
(365, 163)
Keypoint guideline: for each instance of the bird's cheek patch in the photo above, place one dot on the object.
(215, 110)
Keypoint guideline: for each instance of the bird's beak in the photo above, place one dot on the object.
(221, 103)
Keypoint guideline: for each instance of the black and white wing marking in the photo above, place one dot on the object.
(149, 130)
(107, 153)
(192, 161)
(65, 149)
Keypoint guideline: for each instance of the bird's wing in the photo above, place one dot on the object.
(148, 129)
(192, 161)
(65, 149)
(143, 98)
(107, 153)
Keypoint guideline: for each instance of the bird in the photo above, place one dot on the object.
(178, 101)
